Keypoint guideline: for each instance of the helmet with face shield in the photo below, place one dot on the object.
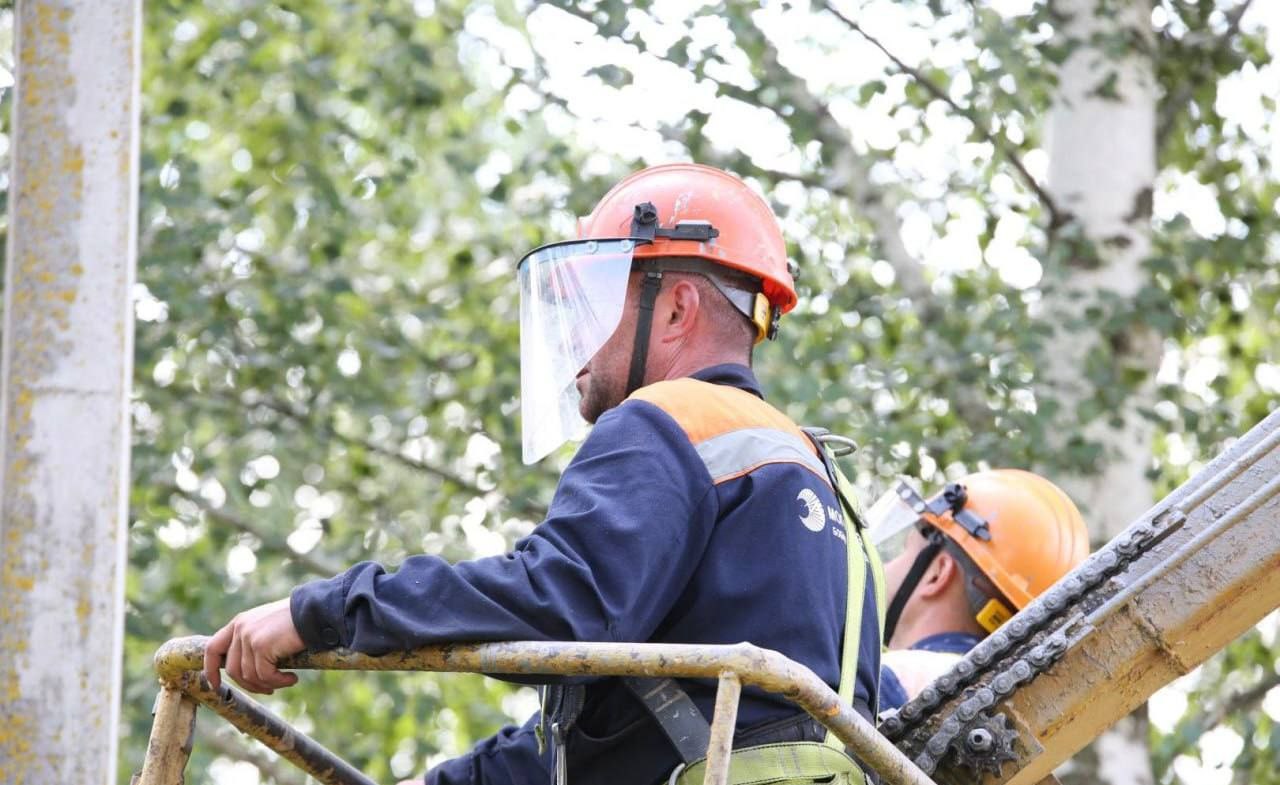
(671, 218)
(1013, 532)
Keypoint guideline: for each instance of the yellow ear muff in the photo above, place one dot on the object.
(762, 316)
(993, 614)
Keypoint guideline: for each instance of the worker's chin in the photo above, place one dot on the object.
(589, 409)
(584, 398)
(594, 401)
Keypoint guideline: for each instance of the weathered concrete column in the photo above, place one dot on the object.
(64, 382)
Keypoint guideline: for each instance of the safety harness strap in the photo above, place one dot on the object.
(856, 581)
(676, 713)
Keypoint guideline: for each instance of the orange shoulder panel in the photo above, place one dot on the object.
(705, 410)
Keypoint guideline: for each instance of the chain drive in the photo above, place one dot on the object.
(1009, 658)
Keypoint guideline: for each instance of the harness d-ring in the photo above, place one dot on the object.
(675, 774)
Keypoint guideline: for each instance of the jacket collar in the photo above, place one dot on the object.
(731, 374)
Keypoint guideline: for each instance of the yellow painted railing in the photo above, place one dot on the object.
(183, 686)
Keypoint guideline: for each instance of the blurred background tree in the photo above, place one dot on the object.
(1030, 233)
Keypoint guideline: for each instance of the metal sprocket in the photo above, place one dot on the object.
(985, 744)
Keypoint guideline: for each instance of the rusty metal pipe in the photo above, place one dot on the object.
(269, 728)
(171, 733)
(722, 724)
(757, 667)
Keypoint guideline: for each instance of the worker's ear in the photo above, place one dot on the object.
(942, 571)
(676, 311)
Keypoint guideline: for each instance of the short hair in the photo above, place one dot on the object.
(729, 326)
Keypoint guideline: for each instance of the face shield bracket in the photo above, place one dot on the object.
(953, 499)
(645, 228)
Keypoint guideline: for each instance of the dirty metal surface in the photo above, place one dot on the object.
(170, 744)
(721, 745)
(179, 661)
(1199, 569)
(256, 720)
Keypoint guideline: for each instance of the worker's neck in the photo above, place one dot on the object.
(930, 622)
(688, 363)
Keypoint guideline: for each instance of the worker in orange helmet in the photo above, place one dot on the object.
(960, 564)
(694, 512)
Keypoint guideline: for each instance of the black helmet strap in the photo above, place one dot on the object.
(908, 587)
(644, 322)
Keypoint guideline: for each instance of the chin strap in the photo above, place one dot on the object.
(644, 322)
(909, 584)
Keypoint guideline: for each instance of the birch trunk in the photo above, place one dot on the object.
(1102, 151)
(1101, 173)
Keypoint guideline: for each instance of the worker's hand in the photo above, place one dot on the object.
(253, 642)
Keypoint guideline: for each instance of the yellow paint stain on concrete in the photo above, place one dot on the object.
(74, 163)
(44, 19)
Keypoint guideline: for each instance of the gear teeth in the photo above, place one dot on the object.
(996, 750)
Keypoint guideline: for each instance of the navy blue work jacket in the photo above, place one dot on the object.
(641, 543)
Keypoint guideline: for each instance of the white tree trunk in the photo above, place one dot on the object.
(1102, 153)
(1102, 169)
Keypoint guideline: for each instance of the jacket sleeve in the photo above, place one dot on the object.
(510, 757)
(892, 693)
(627, 526)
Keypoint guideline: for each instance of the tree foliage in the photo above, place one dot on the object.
(334, 195)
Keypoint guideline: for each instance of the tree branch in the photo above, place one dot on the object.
(1174, 104)
(314, 564)
(850, 174)
(1001, 145)
(847, 173)
(271, 766)
(310, 422)
(1240, 701)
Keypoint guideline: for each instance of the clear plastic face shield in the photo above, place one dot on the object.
(571, 300)
(892, 519)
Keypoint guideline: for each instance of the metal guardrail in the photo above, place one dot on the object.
(179, 664)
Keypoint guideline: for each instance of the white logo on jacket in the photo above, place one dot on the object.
(813, 518)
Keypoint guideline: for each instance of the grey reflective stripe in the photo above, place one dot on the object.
(736, 452)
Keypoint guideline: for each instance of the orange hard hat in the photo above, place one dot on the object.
(746, 234)
(1034, 533)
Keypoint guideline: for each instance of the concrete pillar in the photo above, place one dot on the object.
(64, 382)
